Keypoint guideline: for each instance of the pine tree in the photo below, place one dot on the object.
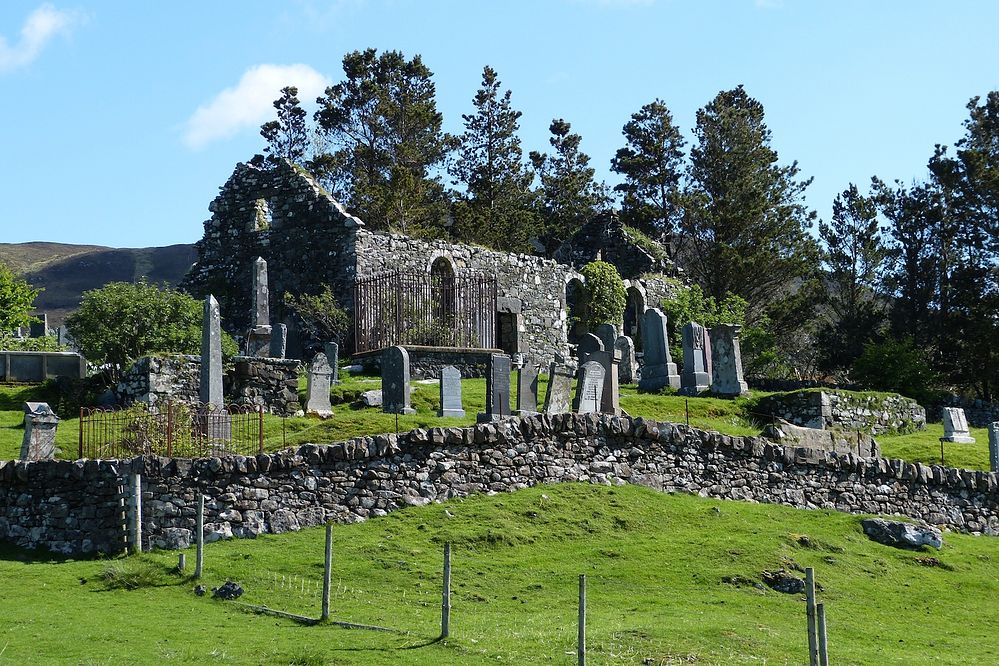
(570, 195)
(498, 207)
(286, 137)
(387, 144)
(746, 217)
(651, 164)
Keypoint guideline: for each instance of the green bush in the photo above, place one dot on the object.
(603, 295)
(48, 343)
(897, 365)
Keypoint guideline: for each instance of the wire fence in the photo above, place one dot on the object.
(174, 429)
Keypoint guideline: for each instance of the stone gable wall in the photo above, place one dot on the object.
(74, 506)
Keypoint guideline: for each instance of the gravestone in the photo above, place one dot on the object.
(258, 340)
(279, 341)
(40, 424)
(527, 389)
(497, 389)
(317, 392)
(590, 388)
(696, 375)
(395, 381)
(627, 372)
(994, 446)
(451, 392)
(333, 354)
(659, 370)
(39, 329)
(955, 426)
(588, 343)
(559, 396)
(726, 361)
(63, 338)
(607, 334)
(210, 392)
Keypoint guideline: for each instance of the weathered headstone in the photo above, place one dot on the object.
(39, 329)
(955, 426)
(610, 398)
(210, 392)
(40, 424)
(559, 396)
(395, 381)
(994, 446)
(527, 389)
(627, 372)
(497, 389)
(317, 392)
(451, 392)
(63, 338)
(696, 375)
(659, 370)
(590, 388)
(607, 334)
(588, 343)
(333, 354)
(279, 341)
(258, 340)
(726, 361)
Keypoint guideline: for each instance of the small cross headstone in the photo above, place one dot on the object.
(696, 375)
(726, 361)
(317, 393)
(559, 396)
(451, 392)
(497, 389)
(279, 341)
(590, 388)
(395, 381)
(627, 372)
(659, 370)
(588, 343)
(40, 424)
(333, 355)
(955, 426)
(527, 389)
(607, 334)
(994, 446)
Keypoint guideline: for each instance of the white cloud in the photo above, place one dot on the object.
(39, 28)
(250, 102)
(769, 4)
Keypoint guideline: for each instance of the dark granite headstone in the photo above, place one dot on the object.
(559, 396)
(450, 384)
(279, 341)
(497, 389)
(395, 381)
(607, 334)
(39, 329)
(659, 370)
(527, 389)
(588, 343)
(627, 372)
(317, 393)
(590, 388)
(696, 375)
(994, 446)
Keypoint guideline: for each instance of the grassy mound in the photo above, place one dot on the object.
(672, 579)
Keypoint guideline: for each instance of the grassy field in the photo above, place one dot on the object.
(726, 416)
(672, 579)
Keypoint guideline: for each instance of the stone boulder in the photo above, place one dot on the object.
(902, 535)
(833, 439)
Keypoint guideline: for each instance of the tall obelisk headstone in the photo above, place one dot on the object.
(210, 391)
(258, 340)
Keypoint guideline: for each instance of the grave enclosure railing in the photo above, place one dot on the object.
(424, 309)
(173, 429)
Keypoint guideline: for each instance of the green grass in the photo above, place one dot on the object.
(656, 564)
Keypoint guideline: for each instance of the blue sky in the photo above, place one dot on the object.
(120, 120)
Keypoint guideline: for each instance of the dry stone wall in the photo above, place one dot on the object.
(49, 504)
(872, 413)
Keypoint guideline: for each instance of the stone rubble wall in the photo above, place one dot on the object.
(50, 504)
(251, 381)
(875, 414)
(426, 362)
(978, 412)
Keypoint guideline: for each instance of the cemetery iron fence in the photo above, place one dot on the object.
(433, 310)
(172, 429)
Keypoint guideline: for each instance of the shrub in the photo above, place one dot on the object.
(603, 294)
(17, 299)
(897, 365)
(322, 317)
(46, 343)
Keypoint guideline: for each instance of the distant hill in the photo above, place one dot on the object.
(66, 271)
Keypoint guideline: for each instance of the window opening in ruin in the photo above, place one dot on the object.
(263, 218)
(508, 332)
(575, 327)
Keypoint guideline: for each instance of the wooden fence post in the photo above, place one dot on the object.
(446, 593)
(823, 645)
(581, 639)
(813, 652)
(327, 572)
(200, 537)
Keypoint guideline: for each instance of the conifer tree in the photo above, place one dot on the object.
(286, 136)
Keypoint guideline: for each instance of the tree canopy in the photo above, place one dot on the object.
(17, 300)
